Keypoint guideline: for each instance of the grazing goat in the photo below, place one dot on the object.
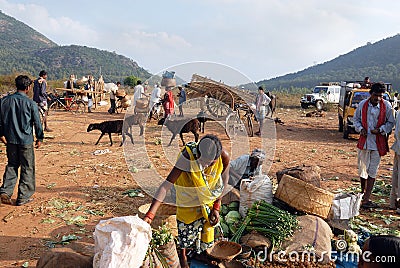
(203, 118)
(118, 126)
(181, 126)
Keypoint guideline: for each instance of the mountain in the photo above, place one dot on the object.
(24, 50)
(380, 61)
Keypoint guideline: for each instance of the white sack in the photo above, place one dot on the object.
(121, 242)
(260, 188)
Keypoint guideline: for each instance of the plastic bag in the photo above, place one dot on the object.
(345, 206)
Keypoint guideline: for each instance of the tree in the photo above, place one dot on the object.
(131, 80)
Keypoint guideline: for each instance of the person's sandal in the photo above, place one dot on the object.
(23, 201)
(369, 204)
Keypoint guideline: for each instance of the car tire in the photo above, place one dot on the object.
(345, 132)
(340, 124)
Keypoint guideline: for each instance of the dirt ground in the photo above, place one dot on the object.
(76, 188)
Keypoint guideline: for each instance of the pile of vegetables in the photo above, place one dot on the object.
(268, 220)
(230, 219)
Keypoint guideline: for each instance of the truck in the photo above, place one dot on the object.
(351, 94)
(321, 95)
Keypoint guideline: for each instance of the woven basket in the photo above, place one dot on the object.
(304, 196)
(224, 250)
(165, 214)
(168, 82)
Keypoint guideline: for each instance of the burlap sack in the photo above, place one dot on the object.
(314, 232)
(64, 258)
(309, 174)
(120, 93)
(255, 239)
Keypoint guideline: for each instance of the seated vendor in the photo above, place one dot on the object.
(199, 177)
(245, 167)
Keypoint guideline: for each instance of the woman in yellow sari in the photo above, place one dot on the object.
(199, 177)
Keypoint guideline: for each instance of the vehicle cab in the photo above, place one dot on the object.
(351, 94)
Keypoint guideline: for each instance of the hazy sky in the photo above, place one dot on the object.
(260, 38)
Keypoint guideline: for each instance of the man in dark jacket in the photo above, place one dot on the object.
(18, 116)
(40, 96)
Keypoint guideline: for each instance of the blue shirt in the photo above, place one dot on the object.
(18, 116)
(182, 96)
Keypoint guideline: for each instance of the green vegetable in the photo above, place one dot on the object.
(234, 206)
(232, 217)
(274, 223)
(224, 210)
(225, 229)
(233, 228)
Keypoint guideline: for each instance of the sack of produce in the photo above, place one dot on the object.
(314, 235)
(126, 103)
(309, 174)
(260, 188)
(64, 257)
(120, 93)
(142, 105)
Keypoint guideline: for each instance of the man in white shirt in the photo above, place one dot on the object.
(138, 92)
(155, 99)
(374, 120)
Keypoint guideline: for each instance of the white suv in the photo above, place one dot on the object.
(321, 95)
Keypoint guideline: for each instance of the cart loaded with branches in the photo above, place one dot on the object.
(224, 102)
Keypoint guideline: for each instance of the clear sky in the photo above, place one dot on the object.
(260, 38)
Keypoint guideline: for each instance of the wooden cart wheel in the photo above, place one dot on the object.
(218, 102)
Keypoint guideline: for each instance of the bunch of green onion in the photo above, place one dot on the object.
(268, 220)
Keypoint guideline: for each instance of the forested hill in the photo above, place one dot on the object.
(24, 50)
(380, 61)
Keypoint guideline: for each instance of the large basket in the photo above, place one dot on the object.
(168, 82)
(304, 196)
(224, 250)
(165, 214)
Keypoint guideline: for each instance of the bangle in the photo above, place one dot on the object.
(217, 205)
(150, 215)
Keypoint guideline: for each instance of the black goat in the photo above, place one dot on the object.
(118, 126)
(181, 126)
(272, 103)
(203, 118)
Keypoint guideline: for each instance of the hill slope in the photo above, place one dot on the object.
(24, 50)
(380, 61)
